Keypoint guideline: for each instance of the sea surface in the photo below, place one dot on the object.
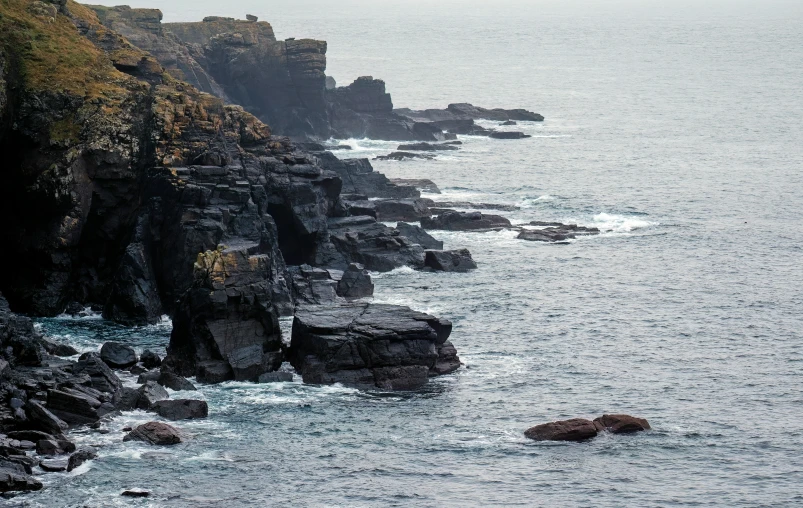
(677, 128)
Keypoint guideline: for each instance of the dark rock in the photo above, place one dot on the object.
(359, 177)
(73, 406)
(138, 369)
(464, 221)
(155, 433)
(449, 260)
(101, 376)
(312, 285)
(477, 206)
(275, 377)
(57, 349)
(508, 122)
(175, 382)
(577, 429)
(127, 399)
(135, 493)
(366, 345)
(448, 361)
(464, 111)
(118, 356)
(30, 435)
(421, 184)
(400, 156)
(251, 17)
(151, 375)
(355, 283)
(376, 246)
(80, 456)
(43, 419)
(13, 481)
(427, 147)
(417, 235)
(149, 394)
(150, 360)
(508, 135)
(54, 465)
(54, 447)
(392, 210)
(330, 83)
(214, 371)
(225, 326)
(555, 232)
(182, 409)
(621, 424)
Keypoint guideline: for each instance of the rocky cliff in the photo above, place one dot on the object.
(138, 194)
(284, 82)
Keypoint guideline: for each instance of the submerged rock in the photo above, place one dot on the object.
(577, 429)
(136, 492)
(367, 345)
(155, 433)
(429, 147)
(508, 135)
(400, 156)
(449, 260)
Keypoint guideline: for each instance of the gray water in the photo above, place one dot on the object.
(678, 130)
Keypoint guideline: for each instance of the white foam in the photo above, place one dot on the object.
(86, 314)
(620, 223)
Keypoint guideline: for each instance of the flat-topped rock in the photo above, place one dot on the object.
(621, 424)
(367, 345)
(155, 433)
(464, 221)
(555, 232)
(449, 260)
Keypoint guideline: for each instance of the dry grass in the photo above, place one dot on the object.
(53, 55)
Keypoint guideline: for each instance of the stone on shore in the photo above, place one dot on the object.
(576, 429)
(41, 418)
(417, 235)
(150, 360)
(155, 433)
(449, 260)
(12, 480)
(392, 210)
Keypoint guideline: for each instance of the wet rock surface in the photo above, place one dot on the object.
(355, 282)
(367, 345)
(555, 232)
(464, 221)
(155, 433)
(118, 356)
(621, 424)
(181, 409)
(577, 429)
(449, 260)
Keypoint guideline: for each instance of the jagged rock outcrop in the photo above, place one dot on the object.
(226, 323)
(369, 345)
(355, 282)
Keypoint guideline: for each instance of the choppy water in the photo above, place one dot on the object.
(678, 128)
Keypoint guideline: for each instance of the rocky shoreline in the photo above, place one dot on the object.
(140, 190)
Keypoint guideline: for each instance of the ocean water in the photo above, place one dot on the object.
(677, 129)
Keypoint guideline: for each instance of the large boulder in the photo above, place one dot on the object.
(464, 221)
(621, 424)
(150, 360)
(155, 433)
(175, 382)
(373, 245)
(449, 260)
(13, 480)
(576, 429)
(367, 345)
(555, 232)
(392, 210)
(226, 322)
(356, 282)
(181, 409)
(118, 356)
(73, 406)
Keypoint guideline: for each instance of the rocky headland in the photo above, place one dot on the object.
(177, 169)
